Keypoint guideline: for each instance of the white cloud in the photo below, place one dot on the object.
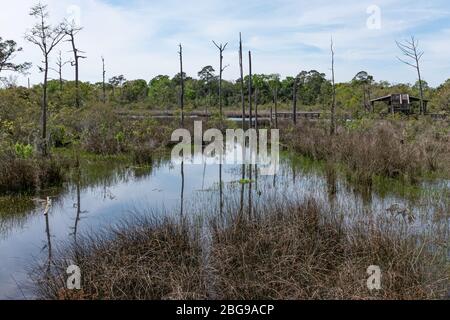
(139, 38)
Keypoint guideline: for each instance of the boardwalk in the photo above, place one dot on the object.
(262, 116)
(227, 114)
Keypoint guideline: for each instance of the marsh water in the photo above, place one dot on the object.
(109, 191)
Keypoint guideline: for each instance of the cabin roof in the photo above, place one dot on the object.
(389, 97)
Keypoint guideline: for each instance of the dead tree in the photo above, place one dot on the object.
(104, 80)
(242, 81)
(46, 38)
(241, 66)
(221, 48)
(71, 31)
(294, 101)
(256, 106)
(250, 88)
(410, 49)
(182, 85)
(275, 102)
(60, 64)
(274, 80)
(333, 102)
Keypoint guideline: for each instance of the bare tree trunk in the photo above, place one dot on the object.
(256, 108)
(294, 102)
(250, 190)
(422, 106)
(276, 107)
(250, 93)
(71, 32)
(60, 79)
(44, 146)
(271, 116)
(333, 103)
(364, 97)
(104, 80)
(182, 86)
(60, 65)
(410, 49)
(220, 85)
(77, 83)
(222, 68)
(242, 84)
(220, 187)
(75, 64)
(46, 38)
(209, 95)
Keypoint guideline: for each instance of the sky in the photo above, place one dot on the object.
(139, 39)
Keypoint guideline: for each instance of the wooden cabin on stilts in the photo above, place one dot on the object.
(401, 103)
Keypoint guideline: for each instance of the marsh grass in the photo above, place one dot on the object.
(286, 250)
(20, 175)
(141, 259)
(404, 150)
(303, 252)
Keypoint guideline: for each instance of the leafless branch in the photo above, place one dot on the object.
(410, 49)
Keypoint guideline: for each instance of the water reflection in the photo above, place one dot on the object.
(250, 202)
(242, 183)
(220, 190)
(48, 246)
(111, 191)
(77, 204)
(182, 190)
(331, 178)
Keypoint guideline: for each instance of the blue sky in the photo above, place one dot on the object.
(139, 38)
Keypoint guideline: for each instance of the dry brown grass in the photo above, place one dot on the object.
(302, 252)
(395, 149)
(140, 260)
(290, 251)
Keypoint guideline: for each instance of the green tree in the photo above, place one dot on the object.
(441, 98)
(365, 81)
(310, 84)
(117, 82)
(162, 91)
(135, 90)
(8, 51)
(46, 38)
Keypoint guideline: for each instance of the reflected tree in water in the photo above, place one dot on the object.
(182, 190)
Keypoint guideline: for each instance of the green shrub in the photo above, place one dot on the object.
(23, 151)
(60, 136)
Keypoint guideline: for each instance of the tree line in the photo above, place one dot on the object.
(208, 89)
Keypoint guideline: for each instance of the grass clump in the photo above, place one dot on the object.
(288, 250)
(19, 173)
(405, 150)
(144, 259)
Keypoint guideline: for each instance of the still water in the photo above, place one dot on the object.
(108, 192)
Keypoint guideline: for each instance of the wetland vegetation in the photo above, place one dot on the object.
(100, 191)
